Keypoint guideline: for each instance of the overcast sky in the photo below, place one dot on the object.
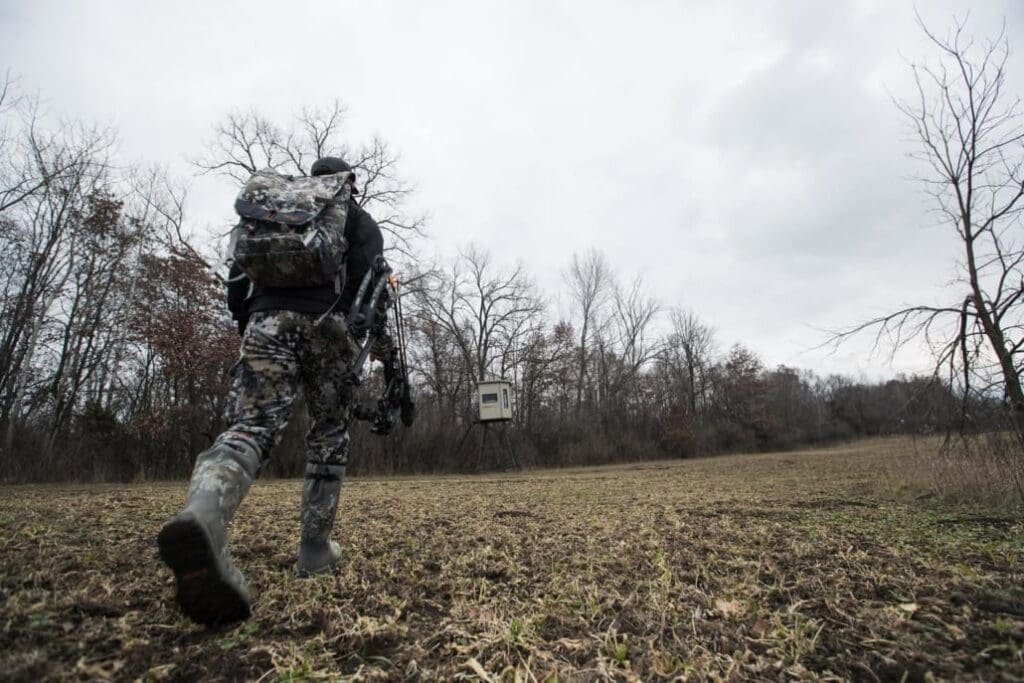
(745, 157)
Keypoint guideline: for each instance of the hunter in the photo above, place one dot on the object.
(293, 338)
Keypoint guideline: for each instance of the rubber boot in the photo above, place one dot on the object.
(210, 589)
(320, 493)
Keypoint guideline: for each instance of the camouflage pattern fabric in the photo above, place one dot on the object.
(292, 232)
(268, 195)
(230, 414)
(225, 472)
(220, 480)
(381, 346)
(320, 491)
(283, 352)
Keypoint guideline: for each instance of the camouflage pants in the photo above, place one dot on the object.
(283, 352)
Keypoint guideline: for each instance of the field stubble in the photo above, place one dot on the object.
(769, 567)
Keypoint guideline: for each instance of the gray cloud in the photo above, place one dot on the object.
(745, 156)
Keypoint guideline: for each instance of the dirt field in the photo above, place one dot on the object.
(776, 567)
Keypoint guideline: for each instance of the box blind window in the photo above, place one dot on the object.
(488, 398)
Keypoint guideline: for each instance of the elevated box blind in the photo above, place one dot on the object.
(495, 400)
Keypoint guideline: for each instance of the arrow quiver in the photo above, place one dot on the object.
(368, 322)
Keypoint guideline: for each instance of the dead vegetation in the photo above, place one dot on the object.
(979, 469)
(773, 567)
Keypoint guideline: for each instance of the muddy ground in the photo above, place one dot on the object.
(797, 566)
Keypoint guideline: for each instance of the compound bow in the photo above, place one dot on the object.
(368, 321)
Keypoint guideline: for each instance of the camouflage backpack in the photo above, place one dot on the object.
(291, 232)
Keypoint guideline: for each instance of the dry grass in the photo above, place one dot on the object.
(985, 469)
(777, 567)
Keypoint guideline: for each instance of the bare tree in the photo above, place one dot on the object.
(33, 156)
(970, 132)
(158, 201)
(688, 354)
(590, 282)
(245, 142)
(630, 341)
(547, 369)
(54, 175)
(486, 311)
(89, 323)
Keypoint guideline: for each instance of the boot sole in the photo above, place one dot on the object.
(204, 593)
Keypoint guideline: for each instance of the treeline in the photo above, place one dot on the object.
(620, 378)
(115, 347)
(112, 334)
